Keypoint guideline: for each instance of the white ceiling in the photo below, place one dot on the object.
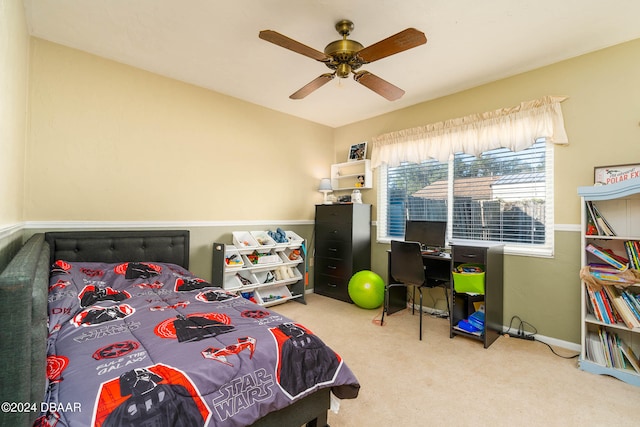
(215, 44)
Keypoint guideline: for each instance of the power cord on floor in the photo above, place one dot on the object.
(521, 333)
(559, 355)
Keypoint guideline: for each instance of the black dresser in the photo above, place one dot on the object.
(343, 247)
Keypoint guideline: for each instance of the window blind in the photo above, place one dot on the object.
(501, 195)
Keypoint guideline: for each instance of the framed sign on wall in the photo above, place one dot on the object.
(603, 175)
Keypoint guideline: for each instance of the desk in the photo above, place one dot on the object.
(489, 255)
(436, 268)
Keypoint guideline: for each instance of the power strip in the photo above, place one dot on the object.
(528, 337)
(429, 310)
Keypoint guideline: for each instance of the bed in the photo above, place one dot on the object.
(110, 328)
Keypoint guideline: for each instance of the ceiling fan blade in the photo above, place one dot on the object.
(291, 44)
(378, 85)
(397, 43)
(313, 85)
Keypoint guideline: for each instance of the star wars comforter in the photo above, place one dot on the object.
(149, 344)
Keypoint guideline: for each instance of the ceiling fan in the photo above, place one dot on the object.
(346, 56)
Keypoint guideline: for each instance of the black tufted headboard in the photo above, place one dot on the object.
(171, 246)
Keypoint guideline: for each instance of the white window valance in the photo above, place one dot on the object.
(515, 128)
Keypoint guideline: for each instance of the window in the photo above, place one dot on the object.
(501, 195)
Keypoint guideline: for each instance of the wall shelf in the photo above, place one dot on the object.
(352, 175)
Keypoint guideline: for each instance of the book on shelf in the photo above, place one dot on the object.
(621, 307)
(592, 225)
(632, 247)
(629, 355)
(602, 223)
(606, 346)
(602, 306)
(616, 352)
(595, 349)
(611, 277)
(632, 302)
(635, 298)
(609, 257)
(596, 307)
(603, 268)
(612, 314)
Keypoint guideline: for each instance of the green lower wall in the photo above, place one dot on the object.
(544, 292)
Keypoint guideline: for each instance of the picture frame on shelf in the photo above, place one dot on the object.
(604, 175)
(357, 152)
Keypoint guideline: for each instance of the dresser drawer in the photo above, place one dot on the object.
(331, 286)
(333, 231)
(469, 254)
(334, 213)
(332, 267)
(339, 249)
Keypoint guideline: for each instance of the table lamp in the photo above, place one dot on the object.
(325, 187)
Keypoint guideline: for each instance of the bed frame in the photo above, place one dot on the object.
(23, 314)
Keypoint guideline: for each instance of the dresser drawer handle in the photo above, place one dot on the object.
(470, 255)
(333, 249)
(335, 232)
(332, 285)
(331, 267)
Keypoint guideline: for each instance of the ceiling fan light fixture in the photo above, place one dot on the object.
(343, 70)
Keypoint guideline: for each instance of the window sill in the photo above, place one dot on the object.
(515, 250)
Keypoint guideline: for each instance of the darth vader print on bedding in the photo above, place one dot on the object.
(151, 402)
(304, 359)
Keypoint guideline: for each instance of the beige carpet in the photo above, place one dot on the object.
(456, 382)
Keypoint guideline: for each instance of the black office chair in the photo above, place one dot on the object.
(407, 268)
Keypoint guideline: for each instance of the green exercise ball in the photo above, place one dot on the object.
(366, 289)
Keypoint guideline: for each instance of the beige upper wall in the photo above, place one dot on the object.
(14, 71)
(602, 116)
(231, 160)
(108, 142)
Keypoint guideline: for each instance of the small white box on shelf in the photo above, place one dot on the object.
(294, 276)
(280, 238)
(263, 239)
(271, 258)
(244, 241)
(231, 282)
(257, 259)
(294, 239)
(291, 256)
(246, 278)
(265, 277)
(232, 258)
(265, 296)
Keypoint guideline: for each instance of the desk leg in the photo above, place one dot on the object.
(397, 300)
